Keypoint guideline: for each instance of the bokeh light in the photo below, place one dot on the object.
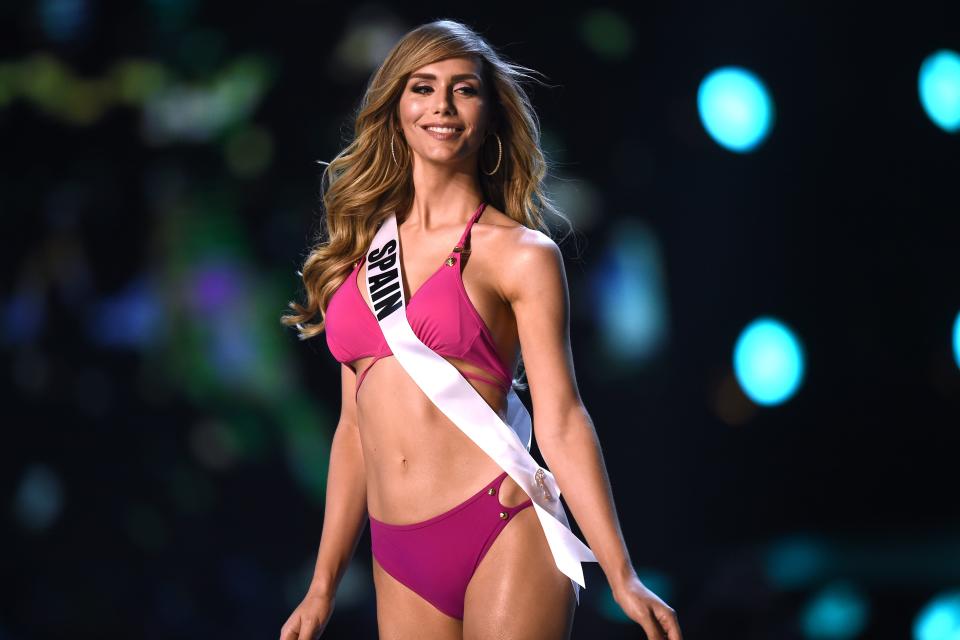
(956, 339)
(768, 361)
(735, 108)
(938, 83)
(607, 33)
(631, 295)
(796, 561)
(837, 612)
(939, 619)
(38, 500)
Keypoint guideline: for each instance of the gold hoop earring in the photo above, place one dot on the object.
(392, 153)
(499, 156)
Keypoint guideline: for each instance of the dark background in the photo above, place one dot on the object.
(167, 438)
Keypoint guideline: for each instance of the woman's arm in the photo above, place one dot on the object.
(345, 512)
(536, 287)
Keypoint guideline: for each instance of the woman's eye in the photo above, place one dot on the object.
(469, 90)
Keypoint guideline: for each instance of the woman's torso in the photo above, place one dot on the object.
(418, 463)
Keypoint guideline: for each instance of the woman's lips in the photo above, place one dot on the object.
(443, 136)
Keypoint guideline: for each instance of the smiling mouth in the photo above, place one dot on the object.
(443, 133)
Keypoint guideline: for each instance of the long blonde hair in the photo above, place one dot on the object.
(365, 185)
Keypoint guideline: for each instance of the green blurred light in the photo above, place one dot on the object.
(249, 151)
(308, 454)
(85, 101)
(607, 33)
(250, 431)
(136, 80)
(43, 79)
(244, 82)
(173, 13)
(201, 51)
(173, 110)
(9, 82)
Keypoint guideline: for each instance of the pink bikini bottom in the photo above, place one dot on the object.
(437, 557)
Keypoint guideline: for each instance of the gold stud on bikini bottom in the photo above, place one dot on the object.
(491, 491)
(451, 261)
(503, 515)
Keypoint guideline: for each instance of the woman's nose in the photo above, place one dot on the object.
(444, 103)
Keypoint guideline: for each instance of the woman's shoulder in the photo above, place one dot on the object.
(519, 253)
(493, 217)
(509, 233)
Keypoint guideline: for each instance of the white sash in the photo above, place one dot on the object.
(507, 444)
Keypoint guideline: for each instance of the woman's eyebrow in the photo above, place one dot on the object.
(459, 76)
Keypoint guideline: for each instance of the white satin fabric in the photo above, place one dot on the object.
(507, 444)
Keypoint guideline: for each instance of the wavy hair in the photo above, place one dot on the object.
(365, 185)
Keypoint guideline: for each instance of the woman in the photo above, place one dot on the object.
(447, 141)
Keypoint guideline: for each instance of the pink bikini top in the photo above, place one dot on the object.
(440, 313)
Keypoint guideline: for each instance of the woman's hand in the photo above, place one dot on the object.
(658, 620)
(310, 618)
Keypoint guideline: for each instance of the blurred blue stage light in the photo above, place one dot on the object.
(938, 84)
(956, 339)
(63, 20)
(940, 619)
(630, 295)
(735, 107)
(837, 612)
(768, 361)
(38, 499)
(23, 318)
(130, 318)
(797, 561)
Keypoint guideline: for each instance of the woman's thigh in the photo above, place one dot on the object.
(402, 614)
(517, 591)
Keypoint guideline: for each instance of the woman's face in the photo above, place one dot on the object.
(446, 93)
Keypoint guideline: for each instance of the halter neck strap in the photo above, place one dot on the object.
(473, 218)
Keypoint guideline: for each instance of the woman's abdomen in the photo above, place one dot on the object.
(418, 463)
